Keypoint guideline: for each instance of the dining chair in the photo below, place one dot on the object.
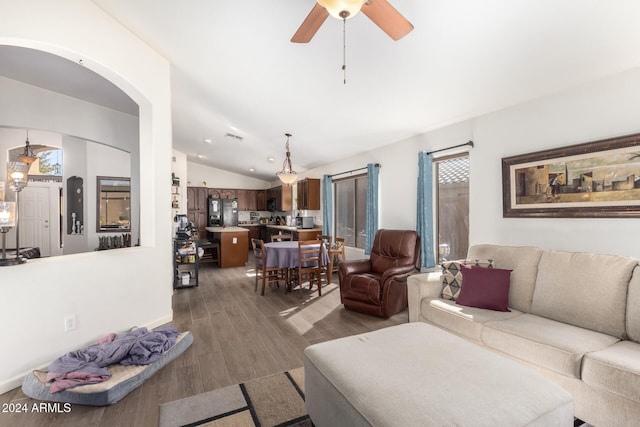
(310, 263)
(268, 274)
(336, 256)
(326, 240)
(281, 237)
(283, 273)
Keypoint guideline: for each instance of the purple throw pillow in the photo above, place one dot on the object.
(485, 288)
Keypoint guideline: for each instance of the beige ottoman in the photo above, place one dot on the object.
(419, 375)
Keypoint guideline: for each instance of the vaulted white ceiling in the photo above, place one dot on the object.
(234, 70)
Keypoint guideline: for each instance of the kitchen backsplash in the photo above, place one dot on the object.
(246, 217)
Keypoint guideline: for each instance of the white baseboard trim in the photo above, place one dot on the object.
(16, 381)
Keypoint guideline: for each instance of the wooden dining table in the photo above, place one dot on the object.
(284, 255)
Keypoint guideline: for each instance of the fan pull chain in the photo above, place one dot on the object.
(344, 49)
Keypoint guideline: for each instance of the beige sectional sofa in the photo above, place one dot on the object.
(575, 318)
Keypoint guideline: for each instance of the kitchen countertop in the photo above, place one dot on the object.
(227, 229)
(286, 228)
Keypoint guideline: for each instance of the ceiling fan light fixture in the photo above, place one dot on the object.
(342, 9)
(287, 175)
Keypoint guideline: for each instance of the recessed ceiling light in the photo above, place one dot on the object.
(207, 140)
(200, 156)
(271, 159)
(252, 169)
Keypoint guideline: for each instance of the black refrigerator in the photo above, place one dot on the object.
(223, 212)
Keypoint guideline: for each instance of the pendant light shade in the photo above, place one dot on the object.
(7, 220)
(17, 175)
(7, 215)
(17, 179)
(342, 9)
(27, 156)
(287, 175)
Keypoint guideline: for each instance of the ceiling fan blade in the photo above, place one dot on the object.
(387, 18)
(310, 25)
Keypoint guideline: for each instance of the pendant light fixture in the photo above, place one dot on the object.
(27, 155)
(287, 175)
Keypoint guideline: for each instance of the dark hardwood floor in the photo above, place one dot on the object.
(238, 335)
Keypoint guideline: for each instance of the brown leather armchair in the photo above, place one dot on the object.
(378, 285)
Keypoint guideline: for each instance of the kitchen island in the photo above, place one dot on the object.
(298, 233)
(234, 245)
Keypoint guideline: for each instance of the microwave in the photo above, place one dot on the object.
(304, 221)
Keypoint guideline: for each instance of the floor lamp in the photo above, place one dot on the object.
(7, 220)
(17, 175)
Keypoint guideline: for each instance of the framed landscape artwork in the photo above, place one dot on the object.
(598, 179)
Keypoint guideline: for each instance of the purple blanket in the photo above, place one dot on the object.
(89, 365)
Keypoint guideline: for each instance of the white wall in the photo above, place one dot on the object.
(598, 110)
(39, 294)
(74, 164)
(103, 160)
(217, 178)
(30, 107)
(602, 109)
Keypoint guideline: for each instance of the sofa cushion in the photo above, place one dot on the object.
(464, 321)
(544, 342)
(615, 369)
(452, 275)
(523, 260)
(583, 289)
(633, 306)
(485, 288)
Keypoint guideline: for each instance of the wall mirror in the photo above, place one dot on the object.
(114, 204)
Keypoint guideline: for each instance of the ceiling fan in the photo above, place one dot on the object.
(380, 12)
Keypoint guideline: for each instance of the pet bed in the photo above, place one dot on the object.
(124, 379)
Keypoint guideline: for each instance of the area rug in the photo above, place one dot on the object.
(275, 400)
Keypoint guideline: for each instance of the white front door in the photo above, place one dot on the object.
(34, 217)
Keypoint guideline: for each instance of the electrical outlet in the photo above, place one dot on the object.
(70, 323)
(235, 241)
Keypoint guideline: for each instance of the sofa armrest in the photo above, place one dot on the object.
(420, 286)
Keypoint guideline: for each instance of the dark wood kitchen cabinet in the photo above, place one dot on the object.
(222, 193)
(283, 196)
(254, 232)
(261, 200)
(286, 203)
(247, 200)
(310, 234)
(197, 208)
(309, 194)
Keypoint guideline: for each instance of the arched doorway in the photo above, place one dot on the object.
(49, 85)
